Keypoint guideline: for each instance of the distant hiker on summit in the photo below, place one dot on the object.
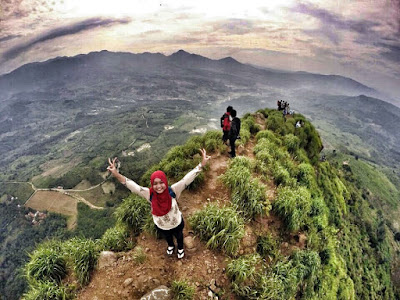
(234, 132)
(163, 199)
(226, 123)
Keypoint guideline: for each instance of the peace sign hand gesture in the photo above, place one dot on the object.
(206, 157)
(113, 166)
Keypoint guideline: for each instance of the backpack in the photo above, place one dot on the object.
(222, 119)
(224, 126)
(171, 193)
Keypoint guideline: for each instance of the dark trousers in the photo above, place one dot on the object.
(177, 232)
(225, 136)
(232, 141)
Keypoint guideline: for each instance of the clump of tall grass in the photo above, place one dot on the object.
(182, 290)
(138, 255)
(247, 275)
(281, 174)
(268, 246)
(222, 228)
(83, 255)
(247, 129)
(132, 212)
(252, 279)
(294, 206)
(306, 176)
(238, 173)
(298, 272)
(250, 201)
(213, 141)
(269, 136)
(301, 156)
(248, 194)
(243, 269)
(291, 142)
(179, 160)
(48, 291)
(46, 263)
(319, 213)
(116, 239)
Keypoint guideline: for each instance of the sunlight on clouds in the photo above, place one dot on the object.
(207, 8)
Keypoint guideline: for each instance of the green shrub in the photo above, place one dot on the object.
(48, 291)
(222, 228)
(319, 213)
(291, 142)
(268, 135)
(250, 201)
(307, 263)
(116, 239)
(275, 122)
(46, 263)
(238, 173)
(249, 280)
(265, 156)
(243, 269)
(287, 280)
(281, 175)
(149, 226)
(301, 156)
(213, 141)
(182, 290)
(248, 194)
(177, 167)
(294, 206)
(306, 177)
(268, 246)
(264, 144)
(310, 141)
(132, 212)
(83, 254)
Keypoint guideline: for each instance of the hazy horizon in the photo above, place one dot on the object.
(359, 40)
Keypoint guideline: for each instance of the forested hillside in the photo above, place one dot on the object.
(276, 222)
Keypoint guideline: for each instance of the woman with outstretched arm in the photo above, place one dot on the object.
(163, 199)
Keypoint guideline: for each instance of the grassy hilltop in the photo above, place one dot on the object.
(277, 222)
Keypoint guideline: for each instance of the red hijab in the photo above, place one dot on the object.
(160, 203)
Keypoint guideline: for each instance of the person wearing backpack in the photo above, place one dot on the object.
(234, 132)
(226, 124)
(163, 200)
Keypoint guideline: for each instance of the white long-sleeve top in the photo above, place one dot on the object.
(174, 217)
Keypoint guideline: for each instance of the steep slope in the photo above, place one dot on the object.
(274, 222)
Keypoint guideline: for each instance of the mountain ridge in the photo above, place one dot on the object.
(121, 61)
(288, 211)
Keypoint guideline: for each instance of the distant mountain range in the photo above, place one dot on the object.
(53, 95)
(100, 66)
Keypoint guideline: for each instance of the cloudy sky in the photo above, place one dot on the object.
(359, 39)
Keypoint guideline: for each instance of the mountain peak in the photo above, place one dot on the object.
(181, 53)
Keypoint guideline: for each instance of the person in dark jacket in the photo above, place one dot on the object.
(234, 132)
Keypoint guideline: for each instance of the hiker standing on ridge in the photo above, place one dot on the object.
(226, 124)
(163, 199)
(234, 132)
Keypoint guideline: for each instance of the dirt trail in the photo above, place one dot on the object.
(200, 266)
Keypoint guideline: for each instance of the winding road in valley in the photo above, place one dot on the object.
(63, 191)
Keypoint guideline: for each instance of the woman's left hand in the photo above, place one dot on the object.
(205, 157)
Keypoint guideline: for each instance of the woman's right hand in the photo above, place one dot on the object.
(113, 166)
